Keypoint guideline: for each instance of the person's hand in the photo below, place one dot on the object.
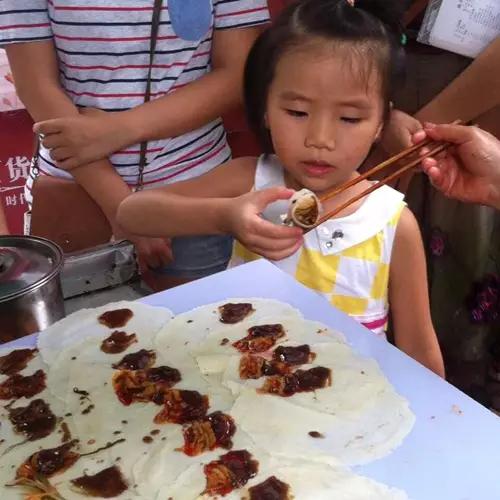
(469, 171)
(260, 236)
(398, 132)
(151, 253)
(78, 140)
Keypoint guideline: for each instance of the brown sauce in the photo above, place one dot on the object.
(115, 319)
(49, 462)
(260, 338)
(299, 381)
(16, 361)
(215, 431)
(234, 313)
(137, 360)
(233, 470)
(106, 484)
(180, 406)
(35, 421)
(118, 342)
(19, 386)
(270, 489)
(254, 367)
(316, 435)
(300, 355)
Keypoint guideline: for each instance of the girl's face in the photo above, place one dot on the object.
(323, 115)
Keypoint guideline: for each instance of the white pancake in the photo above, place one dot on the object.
(145, 322)
(353, 438)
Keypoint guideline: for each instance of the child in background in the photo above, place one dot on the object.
(317, 89)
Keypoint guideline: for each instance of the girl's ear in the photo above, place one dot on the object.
(379, 132)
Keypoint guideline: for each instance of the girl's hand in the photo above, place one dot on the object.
(398, 132)
(258, 235)
(469, 171)
(79, 140)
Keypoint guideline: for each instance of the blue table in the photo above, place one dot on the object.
(453, 452)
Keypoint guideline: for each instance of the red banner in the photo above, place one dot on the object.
(16, 148)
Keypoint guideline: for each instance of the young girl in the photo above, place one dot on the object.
(317, 86)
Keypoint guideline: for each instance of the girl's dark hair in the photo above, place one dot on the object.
(372, 26)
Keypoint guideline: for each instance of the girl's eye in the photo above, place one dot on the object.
(350, 120)
(297, 114)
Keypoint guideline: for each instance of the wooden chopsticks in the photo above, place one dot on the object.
(435, 148)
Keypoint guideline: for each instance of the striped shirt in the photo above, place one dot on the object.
(103, 50)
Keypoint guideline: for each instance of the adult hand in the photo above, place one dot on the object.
(469, 170)
(78, 140)
(258, 235)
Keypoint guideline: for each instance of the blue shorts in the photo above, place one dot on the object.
(198, 256)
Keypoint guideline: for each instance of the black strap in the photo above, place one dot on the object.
(155, 25)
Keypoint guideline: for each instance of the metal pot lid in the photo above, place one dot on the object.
(26, 262)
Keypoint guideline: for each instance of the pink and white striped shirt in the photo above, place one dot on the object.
(103, 50)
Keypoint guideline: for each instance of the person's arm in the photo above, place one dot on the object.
(408, 296)
(35, 70)
(475, 91)
(470, 170)
(87, 138)
(219, 202)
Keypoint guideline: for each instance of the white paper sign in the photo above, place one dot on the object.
(462, 26)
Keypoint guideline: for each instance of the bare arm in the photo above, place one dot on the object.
(35, 69)
(195, 206)
(414, 333)
(186, 109)
(474, 92)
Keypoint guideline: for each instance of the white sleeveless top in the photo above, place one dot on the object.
(346, 260)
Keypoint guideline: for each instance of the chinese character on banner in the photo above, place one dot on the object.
(11, 200)
(19, 167)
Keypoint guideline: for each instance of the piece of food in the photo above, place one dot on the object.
(19, 386)
(139, 360)
(180, 407)
(234, 313)
(16, 361)
(48, 462)
(118, 342)
(144, 385)
(214, 431)
(299, 355)
(115, 319)
(231, 471)
(254, 367)
(304, 209)
(260, 338)
(310, 380)
(107, 483)
(35, 421)
(270, 489)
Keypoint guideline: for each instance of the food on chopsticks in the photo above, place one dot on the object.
(304, 209)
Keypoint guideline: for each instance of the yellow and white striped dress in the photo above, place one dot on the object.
(346, 260)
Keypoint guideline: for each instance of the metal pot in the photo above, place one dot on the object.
(30, 288)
